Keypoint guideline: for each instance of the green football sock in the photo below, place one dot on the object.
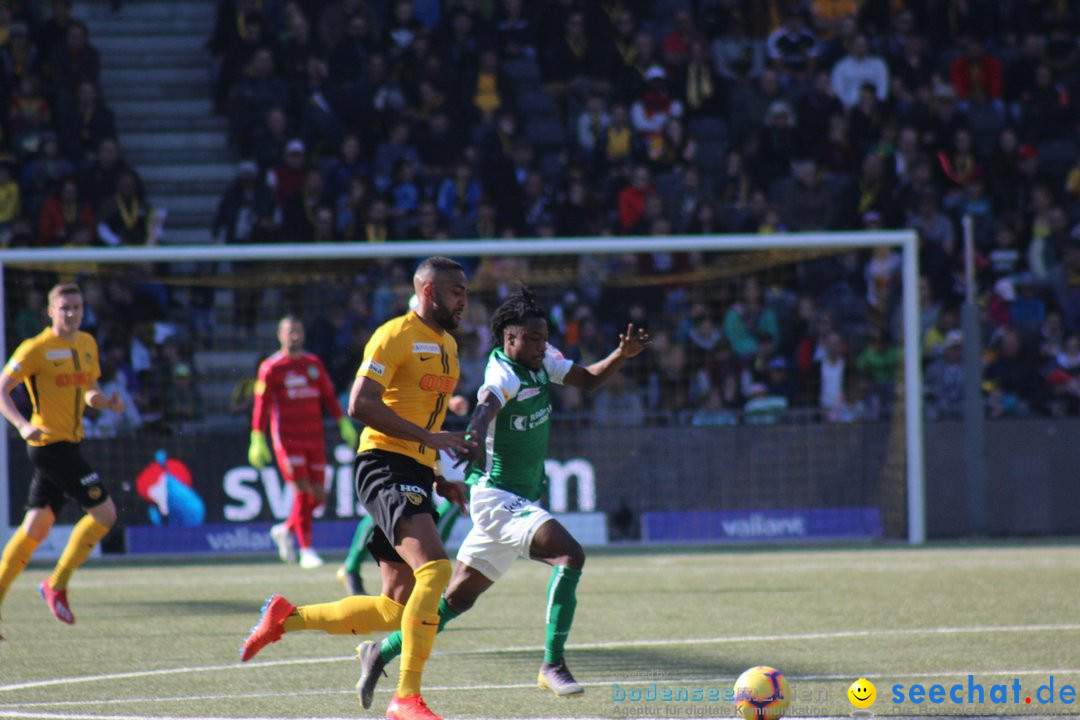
(358, 550)
(390, 647)
(562, 601)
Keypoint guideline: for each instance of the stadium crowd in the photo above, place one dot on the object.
(425, 119)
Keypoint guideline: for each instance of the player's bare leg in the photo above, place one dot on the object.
(554, 545)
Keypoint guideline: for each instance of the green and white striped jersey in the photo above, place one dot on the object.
(517, 442)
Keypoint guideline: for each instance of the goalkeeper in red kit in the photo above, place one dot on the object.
(291, 393)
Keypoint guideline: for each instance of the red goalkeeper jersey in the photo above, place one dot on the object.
(291, 393)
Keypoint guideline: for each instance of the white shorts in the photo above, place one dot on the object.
(503, 528)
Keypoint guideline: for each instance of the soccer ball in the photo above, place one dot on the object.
(762, 693)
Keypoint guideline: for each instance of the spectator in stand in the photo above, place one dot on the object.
(243, 213)
(299, 213)
(270, 138)
(793, 47)
(618, 404)
(352, 209)
(287, 179)
(83, 125)
(749, 318)
(944, 383)
(10, 199)
(347, 165)
(101, 178)
(651, 111)
(777, 144)
(632, 198)
(1046, 107)
(736, 56)
(30, 116)
(577, 57)
(976, 75)
(1064, 282)
(458, 196)
(126, 217)
(75, 62)
(857, 69)
(65, 216)
(1015, 384)
(254, 94)
(53, 32)
(592, 123)
(806, 203)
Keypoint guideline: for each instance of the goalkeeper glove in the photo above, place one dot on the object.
(259, 454)
(348, 432)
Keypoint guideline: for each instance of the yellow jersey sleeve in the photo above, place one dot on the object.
(26, 360)
(383, 354)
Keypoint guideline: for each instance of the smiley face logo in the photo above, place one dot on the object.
(862, 693)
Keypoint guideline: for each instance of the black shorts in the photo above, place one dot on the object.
(61, 473)
(391, 486)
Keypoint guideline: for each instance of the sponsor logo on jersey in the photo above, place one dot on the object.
(293, 380)
(421, 348)
(94, 493)
(91, 479)
(89, 358)
(313, 372)
(438, 383)
(373, 367)
(58, 354)
(529, 422)
(72, 379)
(528, 393)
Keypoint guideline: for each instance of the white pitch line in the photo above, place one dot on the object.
(519, 686)
(581, 646)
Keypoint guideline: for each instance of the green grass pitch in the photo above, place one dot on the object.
(161, 639)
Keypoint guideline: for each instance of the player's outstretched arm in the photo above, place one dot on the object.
(367, 406)
(591, 377)
(26, 429)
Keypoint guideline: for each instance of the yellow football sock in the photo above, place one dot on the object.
(419, 623)
(17, 553)
(354, 615)
(84, 536)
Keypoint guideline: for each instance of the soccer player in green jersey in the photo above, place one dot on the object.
(513, 414)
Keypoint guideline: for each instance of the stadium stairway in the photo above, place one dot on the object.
(156, 78)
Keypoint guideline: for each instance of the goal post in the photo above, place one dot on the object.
(283, 254)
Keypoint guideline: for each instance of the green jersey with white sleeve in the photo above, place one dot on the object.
(517, 441)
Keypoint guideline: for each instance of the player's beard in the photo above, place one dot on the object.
(444, 316)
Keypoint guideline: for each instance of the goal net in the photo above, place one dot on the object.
(779, 398)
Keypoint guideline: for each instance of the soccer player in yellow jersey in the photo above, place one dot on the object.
(60, 369)
(401, 394)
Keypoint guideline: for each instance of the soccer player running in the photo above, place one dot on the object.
(60, 370)
(292, 390)
(513, 416)
(401, 393)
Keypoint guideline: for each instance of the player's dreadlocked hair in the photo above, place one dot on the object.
(518, 308)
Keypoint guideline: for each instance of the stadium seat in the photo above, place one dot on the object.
(545, 132)
(704, 129)
(1056, 157)
(535, 101)
(986, 124)
(521, 71)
